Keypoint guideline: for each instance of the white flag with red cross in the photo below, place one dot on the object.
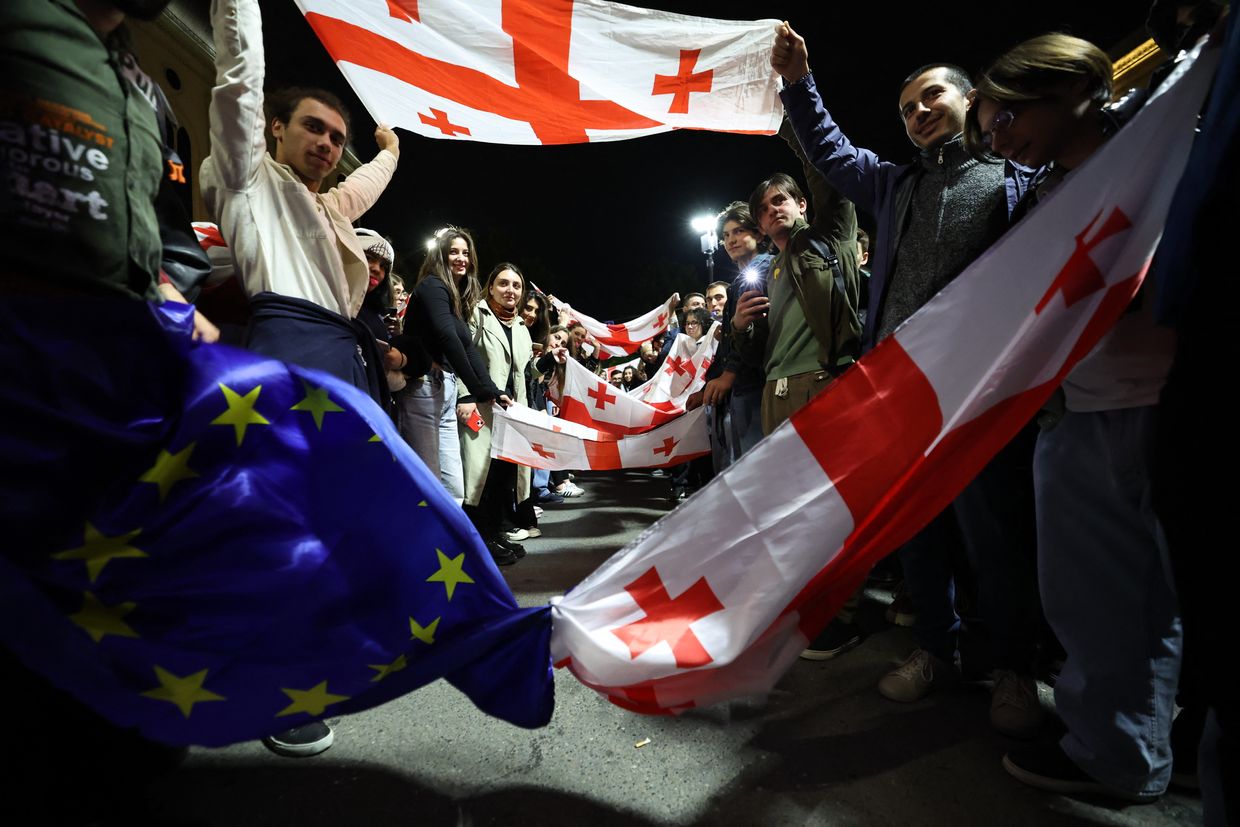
(621, 339)
(717, 599)
(682, 373)
(590, 400)
(539, 440)
(549, 71)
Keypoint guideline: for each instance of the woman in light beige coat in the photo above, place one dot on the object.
(493, 486)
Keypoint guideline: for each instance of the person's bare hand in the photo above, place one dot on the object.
(393, 359)
(751, 306)
(505, 400)
(465, 410)
(694, 401)
(717, 389)
(204, 331)
(387, 139)
(789, 56)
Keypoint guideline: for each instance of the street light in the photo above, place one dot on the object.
(704, 225)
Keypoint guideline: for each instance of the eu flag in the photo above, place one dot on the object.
(212, 546)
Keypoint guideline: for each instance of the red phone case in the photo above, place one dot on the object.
(475, 422)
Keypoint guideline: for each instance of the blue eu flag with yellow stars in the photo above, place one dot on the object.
(212, 546)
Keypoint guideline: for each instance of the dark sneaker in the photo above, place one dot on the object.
(301, 741)
(515, 548)
(501, 555)
(550, 498)
(1048, 768)
(833, 641)
(1014, 706)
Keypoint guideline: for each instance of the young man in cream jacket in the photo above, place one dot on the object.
(293, 244)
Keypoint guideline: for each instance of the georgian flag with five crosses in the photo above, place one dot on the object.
(549, 71)
(621, 339)
(539, 440)
(717, 599)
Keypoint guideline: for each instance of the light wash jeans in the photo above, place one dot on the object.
(1108, 593)
(426, 417)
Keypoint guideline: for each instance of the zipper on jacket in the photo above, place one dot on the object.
(941, 154)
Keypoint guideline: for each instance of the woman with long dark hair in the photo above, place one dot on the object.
(444, 294)
(493, 486)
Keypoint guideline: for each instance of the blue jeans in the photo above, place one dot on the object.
(1108, 593)
(426, 417)
(745, 415)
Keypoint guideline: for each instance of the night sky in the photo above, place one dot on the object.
(606, 226)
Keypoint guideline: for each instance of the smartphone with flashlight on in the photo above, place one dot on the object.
(752, 279)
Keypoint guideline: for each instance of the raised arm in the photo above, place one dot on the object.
(833, 215)
(359, 192)
(856, 172)
(238, 125)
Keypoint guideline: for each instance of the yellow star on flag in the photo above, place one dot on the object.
(169, 469)
(182, 693)
(98, 549)
(427, 634)
(317, 403)
(311, 701)
(240, 413)
(451, 571)
(375, 438)
(98, 619)
(422, 504)
(385, 669)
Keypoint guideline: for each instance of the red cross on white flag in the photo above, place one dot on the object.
(717, 599)
(622, 339)
(682, 373)
(539, 440)
(549, 71)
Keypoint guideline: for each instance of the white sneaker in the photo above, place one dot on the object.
(917, 677)
(533, 532)
(1014, 707)
(516, 535)
(568, 489)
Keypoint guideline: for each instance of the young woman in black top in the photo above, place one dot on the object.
(444, 294)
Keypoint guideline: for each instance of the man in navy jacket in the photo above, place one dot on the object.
(935, 215)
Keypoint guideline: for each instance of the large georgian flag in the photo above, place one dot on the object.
(717, 599)
(621, 339)
(549, 71)
(539, 440)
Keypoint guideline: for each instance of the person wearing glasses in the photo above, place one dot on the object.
(935, 214)
(1103, 560)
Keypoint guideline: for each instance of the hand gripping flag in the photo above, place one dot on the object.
(212, 546)
(682, 373)
(718, 598)
(622, 339)
(548, 71)
(539, 440)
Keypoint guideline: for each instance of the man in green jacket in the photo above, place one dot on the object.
(803, 327)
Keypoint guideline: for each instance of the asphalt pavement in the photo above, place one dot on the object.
(823, 749)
